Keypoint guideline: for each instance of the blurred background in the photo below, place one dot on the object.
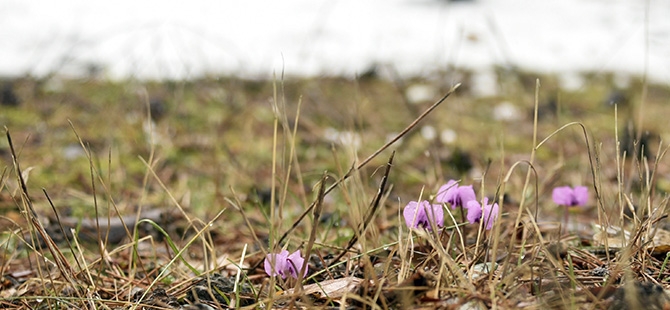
(155, 39)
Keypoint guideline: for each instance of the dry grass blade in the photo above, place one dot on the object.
(369, 158)
(315, 224)
(179, 255)
(374, 206)
(63, 266)
(60, 225)
(237, 204)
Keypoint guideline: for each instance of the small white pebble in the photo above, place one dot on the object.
(484, 83)
(350, 138)
(571, 81)
(72, 151)
(331, 135)
(471, 305)
(506, 111)
(419, 93)
(448, 136)
(428, 132)
(344, 138)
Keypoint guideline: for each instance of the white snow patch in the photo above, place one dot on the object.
(256, 38)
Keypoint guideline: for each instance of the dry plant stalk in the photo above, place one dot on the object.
(369, 158)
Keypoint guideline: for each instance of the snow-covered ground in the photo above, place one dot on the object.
(256, 38)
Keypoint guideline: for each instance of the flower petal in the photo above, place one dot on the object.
(474, 211)
(279, 263)
(465, 194)
(417, 214)
(562, 196)
(438, 213)
(268, 265)
(423, 210)
(456, 196)
(446, 193)
(490, 213)
(410, 214)
(294, 264)
(581, 195)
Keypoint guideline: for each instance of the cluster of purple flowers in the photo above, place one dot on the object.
(422, 214)
(426, 215)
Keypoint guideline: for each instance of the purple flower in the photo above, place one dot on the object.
(490, 213)
(566, 196)
(456, 196)
(475, 210)
(283, 264)
(421, 214)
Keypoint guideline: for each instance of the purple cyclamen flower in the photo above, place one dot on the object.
(456, 196)
(566, 196)
(284, 264)
(475, 210)
(420, 214)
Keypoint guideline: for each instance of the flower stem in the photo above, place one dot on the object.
(566, 213)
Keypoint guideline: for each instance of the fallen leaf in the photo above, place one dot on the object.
(616, 237)
(332, 289)
(660, 249)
